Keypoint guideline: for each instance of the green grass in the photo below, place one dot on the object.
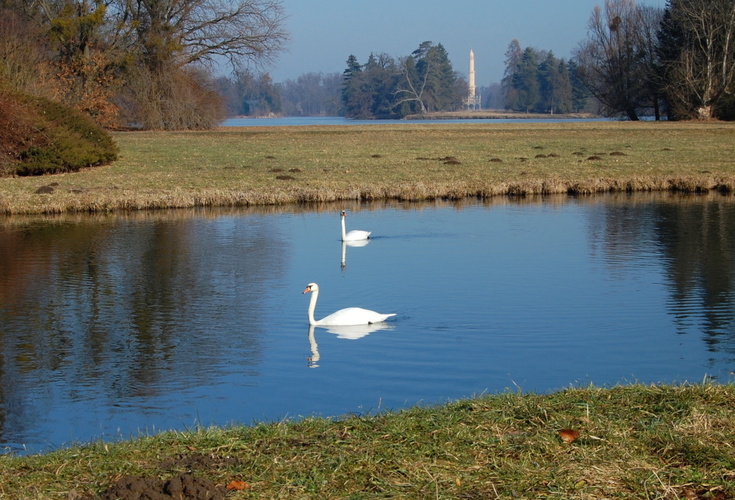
(277, 165)
(666, 442)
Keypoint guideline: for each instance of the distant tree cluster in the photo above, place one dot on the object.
(256, 95)
(142, 63)
(387, 88)
(536, 81)
(312, 94)
(679, 61)
(249, 94)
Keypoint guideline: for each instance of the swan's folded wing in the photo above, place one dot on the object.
(353, 316)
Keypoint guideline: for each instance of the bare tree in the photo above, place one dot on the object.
(169, 41)
(22, 54)
(613, 59)
(413, 85)
(146, 58)
(187, 31)
(700, 68)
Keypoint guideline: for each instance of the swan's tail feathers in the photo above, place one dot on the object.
(382, 318)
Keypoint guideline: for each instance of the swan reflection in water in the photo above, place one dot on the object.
(345, 244)
(352, 332)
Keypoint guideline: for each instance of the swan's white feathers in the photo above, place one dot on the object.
(349, 316)
(355, 234)
(353, 316)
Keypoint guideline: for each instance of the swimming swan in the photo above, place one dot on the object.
(355, 234)
(343, 317)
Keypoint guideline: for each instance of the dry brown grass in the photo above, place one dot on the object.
(278, 165)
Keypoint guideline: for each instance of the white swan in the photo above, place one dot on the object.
(355, 234)
(344, 317)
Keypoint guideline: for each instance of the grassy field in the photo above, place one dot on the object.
(276, 165)
(642, 442)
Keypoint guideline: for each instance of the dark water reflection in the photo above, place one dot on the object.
(118, 324)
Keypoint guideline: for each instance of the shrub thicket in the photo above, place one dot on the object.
(39, 136)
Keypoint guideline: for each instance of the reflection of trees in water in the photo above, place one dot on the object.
(111, 309)
(697, 240)
(694, 237)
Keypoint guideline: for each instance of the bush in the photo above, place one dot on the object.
(39, 136)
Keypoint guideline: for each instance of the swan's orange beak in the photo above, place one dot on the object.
(306, 290)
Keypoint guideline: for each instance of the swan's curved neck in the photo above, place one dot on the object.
(312, 307)
(344, 232)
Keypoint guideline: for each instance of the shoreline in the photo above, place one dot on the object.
(617, 442)
(490, 114)
(263, 165)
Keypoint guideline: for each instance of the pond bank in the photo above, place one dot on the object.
(621, 442)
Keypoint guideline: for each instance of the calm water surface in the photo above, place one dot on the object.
(113, 326)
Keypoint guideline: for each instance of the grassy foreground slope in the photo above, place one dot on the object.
(642, 442)
(274, 165)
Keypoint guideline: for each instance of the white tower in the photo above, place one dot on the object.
(472, 74)
(473, 100)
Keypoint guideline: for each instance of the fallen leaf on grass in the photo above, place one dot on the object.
(568, 435)
(238, 485)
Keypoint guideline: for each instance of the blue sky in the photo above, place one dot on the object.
(325, 32)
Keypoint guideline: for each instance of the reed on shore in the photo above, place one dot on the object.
(279, 165)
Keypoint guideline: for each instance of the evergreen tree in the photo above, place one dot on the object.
(353, 98)
(547, 81)
(562, 98)
(580, 93)
(555, 88)
(422, 82)
(437, 70)
(513, 56)
(381, 76)
(525, 81)
(427, 82)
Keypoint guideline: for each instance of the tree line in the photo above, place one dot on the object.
(677, 62)
(419, 83)
(383, 87)
(536, 81)
(150, 64)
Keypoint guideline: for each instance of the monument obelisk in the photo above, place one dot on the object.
(472, 75)
(472, 101)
